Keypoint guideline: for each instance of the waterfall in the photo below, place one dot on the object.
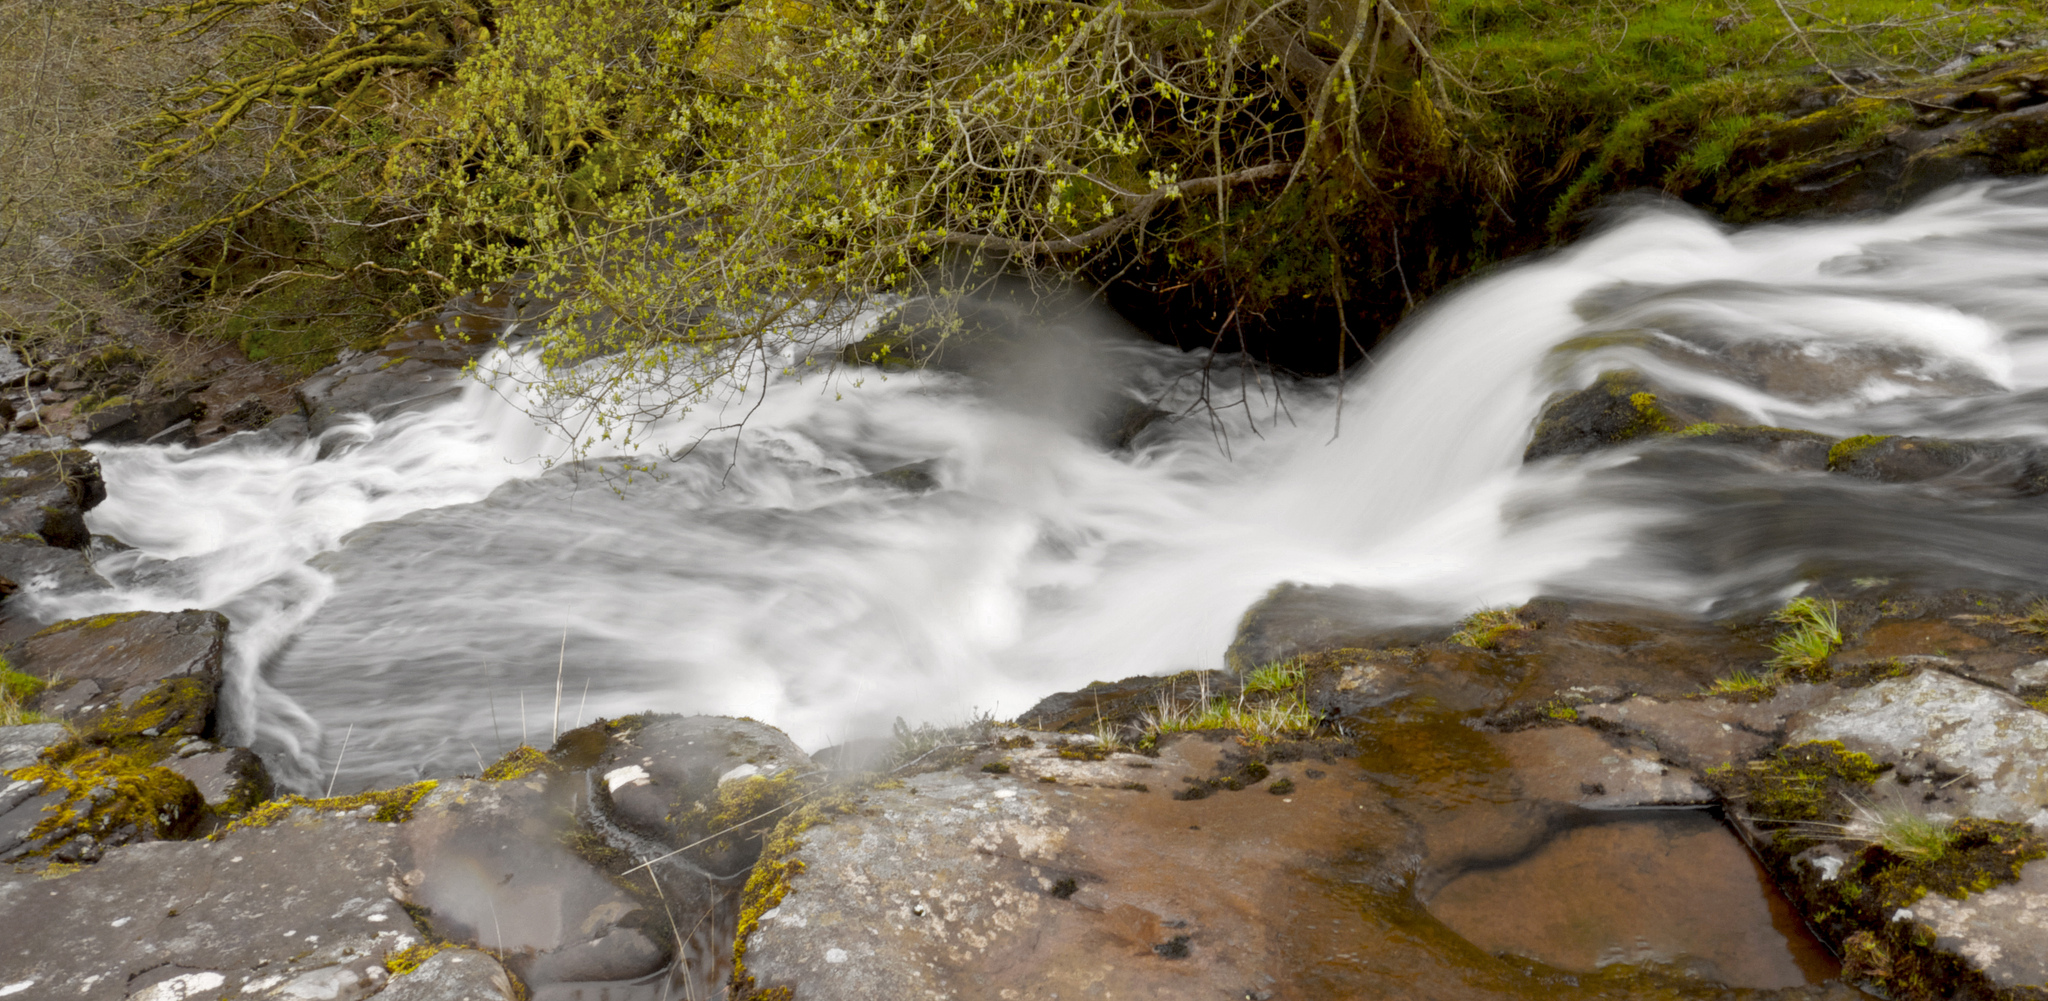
(416, 576)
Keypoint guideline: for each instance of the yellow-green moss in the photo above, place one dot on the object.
(393, 806)
(174, 706)
(522, 761)
(1801, 783)
(1981, 854)
(95, 622)
(107, 790)
(407, 960)
(768, 885)
(1846, 450)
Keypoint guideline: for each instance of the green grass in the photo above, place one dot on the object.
(1271, 706)
(1895, 826)
(1815, 634)
(1482, 630)
(15, 689)
(2033, 622)
(1745, 683)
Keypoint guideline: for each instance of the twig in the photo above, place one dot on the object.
(480, 766)
(337, 759)
(582, 702)
(555, 722)
(496, 737)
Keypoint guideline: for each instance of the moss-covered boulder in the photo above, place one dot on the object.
(2017, 466)
(1619, 407)
(152, 674)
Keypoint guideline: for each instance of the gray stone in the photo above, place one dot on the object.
(49, 570)
(620, 954)
(2001, 932)
(157, 422)
(299, 909)
(44, 497)
(1984, 750)
(111, 663)
(19, 745)
(230, 780)
(452, 975)
(672, 762)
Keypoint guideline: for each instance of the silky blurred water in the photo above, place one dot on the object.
(419, 583)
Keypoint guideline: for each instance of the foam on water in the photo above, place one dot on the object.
(417, 582)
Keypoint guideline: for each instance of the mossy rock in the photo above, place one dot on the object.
(109, 796)
(1619, 407)
(1802, 784)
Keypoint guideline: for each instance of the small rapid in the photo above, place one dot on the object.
(415, 582)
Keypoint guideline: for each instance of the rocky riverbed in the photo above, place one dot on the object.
(1836, 790)
(1565, 799)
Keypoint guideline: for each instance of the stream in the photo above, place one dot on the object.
(413, 586)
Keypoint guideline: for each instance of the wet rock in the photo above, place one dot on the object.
(44, 497)
(401, 377)
(152, 673)
(248, 415)
(1620, 406)
(1293, 619)
(1902, 459)
(916, 477)
(1575, 765)
(1582, 650)
(230, 779)
(963, 884)
(652, 776)
(452, 975)
(1705, 733)
(1785, 448)
(158, 422)
(299, 909)
(37, 568)
(620, 954)
(1113, 701)
(1976, 751)
(487, 859)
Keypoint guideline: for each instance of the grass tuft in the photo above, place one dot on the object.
(1483, 629)
(1815, 634)
(16, 689)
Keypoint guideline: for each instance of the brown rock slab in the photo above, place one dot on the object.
(1578, 766)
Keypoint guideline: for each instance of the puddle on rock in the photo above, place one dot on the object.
(1671, 888)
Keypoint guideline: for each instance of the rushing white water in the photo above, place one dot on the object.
(418, 585)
